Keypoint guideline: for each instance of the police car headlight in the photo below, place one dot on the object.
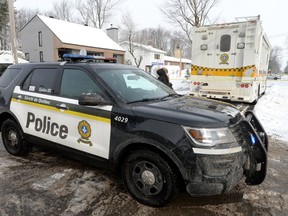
(210, 137)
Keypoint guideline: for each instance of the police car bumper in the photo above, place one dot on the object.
(217, 174)
(225, 96)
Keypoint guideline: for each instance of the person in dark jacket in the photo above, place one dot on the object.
(163, 77)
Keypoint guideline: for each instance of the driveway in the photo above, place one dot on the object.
(45, 183)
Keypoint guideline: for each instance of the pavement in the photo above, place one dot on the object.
(45, 183)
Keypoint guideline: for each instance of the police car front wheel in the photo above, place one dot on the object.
(13, 140)
(149, 178)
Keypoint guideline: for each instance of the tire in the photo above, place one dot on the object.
(149, 178)
(13, 140)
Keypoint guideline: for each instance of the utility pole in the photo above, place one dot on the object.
(12, 30)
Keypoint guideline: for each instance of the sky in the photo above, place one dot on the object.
(146, 13)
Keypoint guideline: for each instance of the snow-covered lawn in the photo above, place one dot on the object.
(272, 109)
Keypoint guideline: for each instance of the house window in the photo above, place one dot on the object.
(156, 56)
(40, 38)
(41, 56)
(27, 56)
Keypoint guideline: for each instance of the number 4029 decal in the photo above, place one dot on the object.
(121, 119)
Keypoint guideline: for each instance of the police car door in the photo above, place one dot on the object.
(32, 102)
(88, 128)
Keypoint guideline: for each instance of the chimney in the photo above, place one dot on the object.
(112, 32)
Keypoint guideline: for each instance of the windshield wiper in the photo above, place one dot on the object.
(144, 100)
(167, 96)
(153, 99)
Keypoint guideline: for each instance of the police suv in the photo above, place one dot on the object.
(120, 118)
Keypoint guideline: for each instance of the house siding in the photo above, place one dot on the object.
(51, 44)
(30, 42)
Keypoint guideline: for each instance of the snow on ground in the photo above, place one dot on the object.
(271, 109)
(7, 58)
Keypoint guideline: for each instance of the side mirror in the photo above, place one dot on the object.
(92, 99)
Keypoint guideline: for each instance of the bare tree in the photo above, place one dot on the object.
(23, 16)
(160, 38)
(156, 37)
(286, 68)
(63, 10)
(129, 34)
(4, 19)
(97, 12)
(3, 13)
(275, 60)
(188, 13)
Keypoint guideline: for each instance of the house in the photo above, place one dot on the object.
(47, 39)
(181, 62)
(150, 56)
(177, 68)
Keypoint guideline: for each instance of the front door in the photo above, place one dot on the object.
(89, 128)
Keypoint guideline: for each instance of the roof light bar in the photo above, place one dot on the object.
(87, 58)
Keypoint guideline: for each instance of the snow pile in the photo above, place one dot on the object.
(272, 108)
(7, 58)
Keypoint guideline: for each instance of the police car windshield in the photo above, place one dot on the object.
(134, 85)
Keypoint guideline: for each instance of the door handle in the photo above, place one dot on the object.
(62, 106)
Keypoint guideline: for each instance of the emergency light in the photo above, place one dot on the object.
(87, 58)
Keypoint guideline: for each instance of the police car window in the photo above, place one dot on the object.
(134, 85)
(8, 76)
(41, 80)
(76, 82)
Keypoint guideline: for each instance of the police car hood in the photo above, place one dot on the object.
(190, 111)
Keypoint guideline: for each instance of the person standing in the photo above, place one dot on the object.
(163, 76)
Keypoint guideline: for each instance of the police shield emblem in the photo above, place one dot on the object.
(84, 130)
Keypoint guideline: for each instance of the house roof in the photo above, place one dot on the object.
(174, 59)
(148, 48)
(72, 33)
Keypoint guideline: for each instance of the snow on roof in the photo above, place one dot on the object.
(145, 47)
(174, 59)
(72, 33)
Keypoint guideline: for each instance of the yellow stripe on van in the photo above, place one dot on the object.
(248, 71)
(68, 112)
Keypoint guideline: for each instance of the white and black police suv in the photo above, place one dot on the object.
(122, 119)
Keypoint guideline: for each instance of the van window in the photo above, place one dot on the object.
(225, 43)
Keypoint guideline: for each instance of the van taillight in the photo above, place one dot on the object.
(244, 85)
